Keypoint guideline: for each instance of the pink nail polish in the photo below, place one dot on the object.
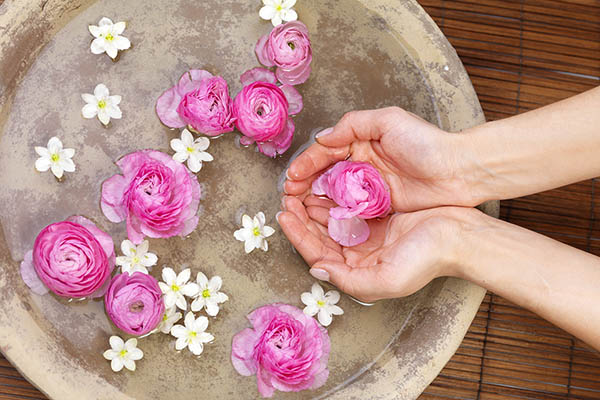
(324, 132)
(319, 274)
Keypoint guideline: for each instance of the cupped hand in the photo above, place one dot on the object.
(403, 253)
(421, 163)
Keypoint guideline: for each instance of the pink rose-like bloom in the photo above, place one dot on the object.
(158, 196)
(360, 193)
(134, 303)
(199, 100)
(288, 48)
(286, 350)
(72, 258)
(262, 112)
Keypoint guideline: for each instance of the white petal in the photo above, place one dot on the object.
(57, 170)
(196, 347)
(89, 111)
(324, 317)
(170, 299)
(114, 111)
(263, 245)
(332, 297)
(94, 30)
(136, 354)
(247, 222)
(267, 12)
(212, 309)
(181, 156)
(103, 116)
(115, 100)
(179, 331)
(190, 290)
(276, 20)
(67, 153)
(222, 297)
(202, 280)
(249, 246)
(131, 344)
(180, 302)
(308, 299)
(119, 27)
(67, 164)
(242, 234)
(335, 310)
(111, 50)
(178, 146)
(289, 15)
(311, 310)
(43, 164)
(317, 291)
(116, 343)
(186, 138)
(169, 276)
(127, 248)
(101, 91)
(129, 364)
(105, 21)
(206, 337)
(287, 4)
(202, 143)
(110, 354)
(268, 231)
(215, 284)
(97, 46)
(197, 304)
(194, 164)
(181, 343)
(42, 151)
(261, 218)
(201, 324)
(122, 43)
(89, 98)
(204, 156)
(189, 320)
(183, 277)
(149, 259)
(54, 145)
(116, 364)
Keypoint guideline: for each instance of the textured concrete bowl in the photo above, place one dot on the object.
(367, 53)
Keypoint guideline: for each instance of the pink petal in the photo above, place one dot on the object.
(294, 99)
(261, 51)
(258, 75)
(346, 212)
(246, 141)
(134, 231)
(280, 143)
(166, 108)
(320, 379)
(112, 198)
(30, 277)
(320, 186)
(191, 81)
(103, 238)
(264, 388)
(101, 291)
(241, 352)
(295, 76)
(348, 232)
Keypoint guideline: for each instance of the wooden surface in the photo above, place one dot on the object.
(520, 54)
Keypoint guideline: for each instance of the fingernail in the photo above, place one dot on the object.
(320, 274)
(286, 174)
(324, 132)
(277, 216)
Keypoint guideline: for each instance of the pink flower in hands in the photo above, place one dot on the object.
(199, 100)
(134, 303)
(360, 193)
(72, 258)
(286, 350)
(156, 195)
(288, 48)
(262, 111)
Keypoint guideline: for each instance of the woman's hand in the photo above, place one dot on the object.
(420, 162)
(403, 253)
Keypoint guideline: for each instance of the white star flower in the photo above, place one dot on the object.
(175, 287)
(190, 150)
(209, 296)
(192, 335)
(323, 304)
(136, 258)
(55, 158)
(108, 37)
(254, 232)
(169, 318)
(123, 354)
(101, 104)
(278, 11)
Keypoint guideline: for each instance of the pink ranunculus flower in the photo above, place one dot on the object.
(286, 350)
(262, 111)
(156, 195)
(199, 100)
(288, 48)
(134, 303)
(360, 193)
(72, 258)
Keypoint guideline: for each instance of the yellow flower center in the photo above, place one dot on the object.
(55, 157)
(292, 45)
(206, 293)
(256, 231)
(279, 8)
(193, 334)
(109, 37)
(175, 288)
(136, 260)
(101, 104)
(320, 303)
(123, 353)
(190, 149)
(165, 317)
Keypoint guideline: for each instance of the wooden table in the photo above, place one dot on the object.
(520, 54)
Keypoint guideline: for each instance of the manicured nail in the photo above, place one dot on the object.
(324, 132)
(277, 216)
(320, 274)
(286, 174)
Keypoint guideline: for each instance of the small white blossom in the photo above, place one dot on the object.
(254, 232)
(136, 258)
(278, 11)
(101, 104)
(55, 158)
(169, 318)
(190, 150)
(108, 37)
(123, 354)
(323, 304)
(192, 335)
(209, 296)
(175, 287)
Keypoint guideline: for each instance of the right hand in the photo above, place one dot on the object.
(421, 163)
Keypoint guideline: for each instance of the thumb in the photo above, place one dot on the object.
(354, 126)
(362, 283)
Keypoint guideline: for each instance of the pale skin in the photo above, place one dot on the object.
(435, 180)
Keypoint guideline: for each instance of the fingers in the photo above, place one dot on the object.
(312, 200)
(296, 188)
(363, 125)
(319, 214)
(315, 159)
(362, 283)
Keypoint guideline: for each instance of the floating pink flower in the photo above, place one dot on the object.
(72, 258)
(262, 111)
(288, 48)
(159, 197)
(286, 350)
(360, 193)
(199, 100)
(134, 303)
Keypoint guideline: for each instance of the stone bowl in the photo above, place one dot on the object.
(367, 54)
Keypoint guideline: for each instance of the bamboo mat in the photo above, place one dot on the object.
(520, 55)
